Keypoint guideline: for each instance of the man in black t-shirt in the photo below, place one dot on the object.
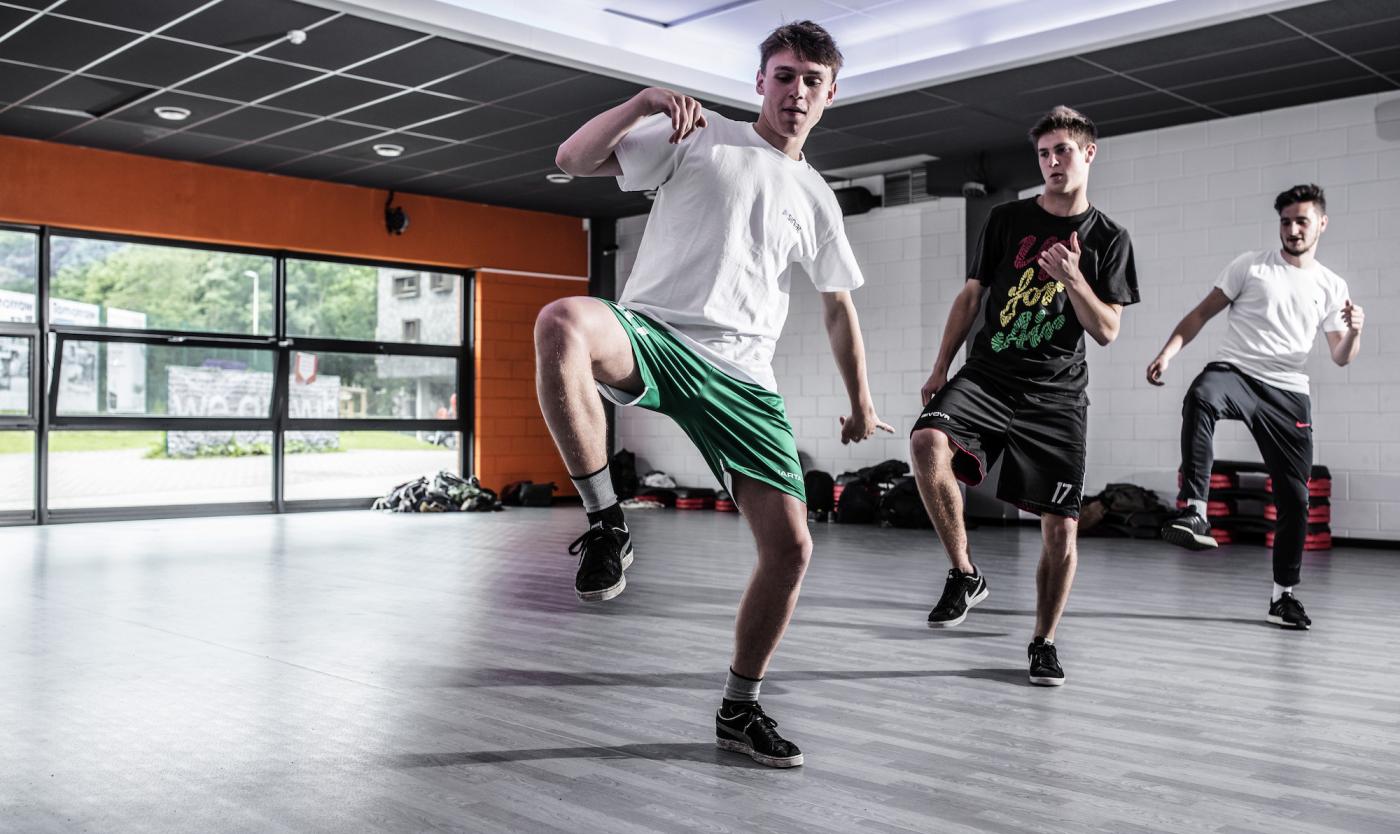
(1053, 268)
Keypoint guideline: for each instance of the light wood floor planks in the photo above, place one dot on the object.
(354, 672)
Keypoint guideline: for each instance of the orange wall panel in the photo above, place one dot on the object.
(512, 440)
(82, 188)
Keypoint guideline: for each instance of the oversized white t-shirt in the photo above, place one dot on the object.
(733, 217)
(1275, 311)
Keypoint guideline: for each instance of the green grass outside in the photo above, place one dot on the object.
(20, 442)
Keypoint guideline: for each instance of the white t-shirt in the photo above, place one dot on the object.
(732, 216)
(1275, 311)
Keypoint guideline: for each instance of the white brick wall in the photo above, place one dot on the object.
(1193, 196)
(1199, 194)
(912, 257)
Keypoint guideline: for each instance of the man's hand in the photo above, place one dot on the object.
(1157, 369)
(936, 380)
(684, 111)
(1062, 262)
(1354, 316)
(862, 425)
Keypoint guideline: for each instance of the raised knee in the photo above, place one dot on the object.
(930, 447)
(558, 323)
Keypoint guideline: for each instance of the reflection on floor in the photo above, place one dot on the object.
(354, 672)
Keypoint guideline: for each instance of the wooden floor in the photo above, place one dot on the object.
(353, 672)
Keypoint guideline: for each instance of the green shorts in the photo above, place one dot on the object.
(737, 426)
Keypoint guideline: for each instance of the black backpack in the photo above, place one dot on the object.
(1127, 510)
(859, 504)
(901, 506)
(819, 488)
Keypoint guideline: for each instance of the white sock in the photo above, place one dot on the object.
(596, 490)
(1280, 590)
(1198, 505)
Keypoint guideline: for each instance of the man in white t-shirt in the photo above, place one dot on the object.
(1278, 300)
(738, 215)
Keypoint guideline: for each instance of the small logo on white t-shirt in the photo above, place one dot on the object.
(793, 220)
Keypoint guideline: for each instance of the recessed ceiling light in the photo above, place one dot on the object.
(650, 193)
(559, 177)
(389, 150)
(173, 114)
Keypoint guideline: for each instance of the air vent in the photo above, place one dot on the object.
(905, 187)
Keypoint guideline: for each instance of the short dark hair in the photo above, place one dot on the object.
(1310, 193)
(807, 40)
(1080, 128)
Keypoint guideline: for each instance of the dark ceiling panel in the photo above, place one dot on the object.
(247, 24)
(135, 14)
(951, 118)
(62, 44)
(32, 4)
(406, 109)
(318, 167)
(1278, 81)
(251, 123)
(478, 122)
(1381, 60)
(1196, 43)
(426, 62)
(1025, 108)
(549, 133)
(36, 124)
(1335, 14)
(188, 145)
(1131, 107)
(1365, 37)
(1307, 95)
(580, 94)
(249, 79)
(502, 79)
(10, 18)
(1151, 121)
(536, 162)
(116, 136)
(89, 95)
(159, 62)
(257, 157)
(991, 89)
(384, 176)
(1229, 64)
(320, 136)
(341, 42)
(200, 108)
(16, 81)
(455, 156)
(364, 151)
(331, 95)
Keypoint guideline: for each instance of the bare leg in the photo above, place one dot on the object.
(932, 453)
(779, 525)
(1055, 574)
(577, 341)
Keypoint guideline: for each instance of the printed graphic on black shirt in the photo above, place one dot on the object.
(1031, 337)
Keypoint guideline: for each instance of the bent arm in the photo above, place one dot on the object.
(961, 315)
(1191, 324)
(1099, 318)
(1344, 345)
(589, 152)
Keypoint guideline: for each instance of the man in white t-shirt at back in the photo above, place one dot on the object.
(1278, 299)
(738, 214)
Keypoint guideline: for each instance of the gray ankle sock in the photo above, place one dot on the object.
(596, 490)
(739, 688)
(1198, 505)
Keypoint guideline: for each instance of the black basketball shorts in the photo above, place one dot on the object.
(1042, 438)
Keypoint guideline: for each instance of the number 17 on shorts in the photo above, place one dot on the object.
(1062, 492)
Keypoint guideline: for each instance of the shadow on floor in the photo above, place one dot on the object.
(683, 751)
(1120, 615)
(774, 684)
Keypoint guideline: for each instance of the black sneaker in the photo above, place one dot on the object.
(960, 593)
(1187, 529)
(1045, 664)
(604, 553)
(749, 731)
(1288, 612)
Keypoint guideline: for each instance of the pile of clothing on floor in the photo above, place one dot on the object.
(445, 492)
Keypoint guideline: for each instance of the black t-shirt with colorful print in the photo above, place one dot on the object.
(1031, 340)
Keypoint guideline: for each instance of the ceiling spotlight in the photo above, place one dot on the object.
(296, 37)
(388, 150)
(172, 114)
(559, 178)
(650, 193)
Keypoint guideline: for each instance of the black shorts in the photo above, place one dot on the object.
(1043, 439)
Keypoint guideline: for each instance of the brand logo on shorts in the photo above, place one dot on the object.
(789, 475)
(793, 220)
(938, 415)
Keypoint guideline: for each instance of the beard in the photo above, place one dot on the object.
(1298, 249)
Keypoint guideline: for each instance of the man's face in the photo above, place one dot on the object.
(1299, 227)
(1064, 165)
(795, 93)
